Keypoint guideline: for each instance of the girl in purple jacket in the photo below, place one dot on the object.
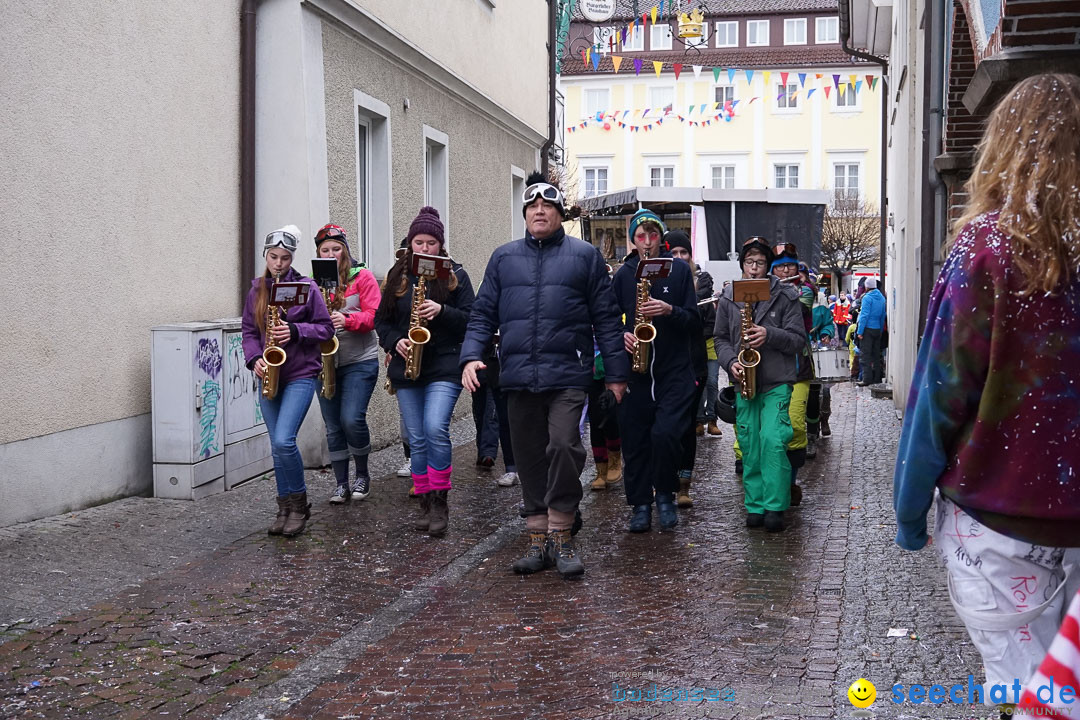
(299, 333)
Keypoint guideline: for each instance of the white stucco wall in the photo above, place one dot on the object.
(119, 133)
(499, 47)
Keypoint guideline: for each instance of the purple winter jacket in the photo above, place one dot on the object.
(312, 324)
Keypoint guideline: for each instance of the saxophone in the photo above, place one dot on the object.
(748, 356)
(644, 330)
(418, 334)
(329, 348)
(273, 356)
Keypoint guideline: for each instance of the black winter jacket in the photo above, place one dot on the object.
(439, 361)
(546, 298)
(675, 333)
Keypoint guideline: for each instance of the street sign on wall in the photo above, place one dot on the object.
(597, 10)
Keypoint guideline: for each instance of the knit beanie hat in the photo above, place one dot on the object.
(871, 283)
(756, 243)
(427, 222)
(678, 238)
(643, 216)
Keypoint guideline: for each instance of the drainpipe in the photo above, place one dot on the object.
(933, 193)
(545, 149)
(845, 38)
(247, 147)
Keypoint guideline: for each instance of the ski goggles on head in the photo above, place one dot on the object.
(281, 239)
(330, 232)
(785, 249)
(547, 192)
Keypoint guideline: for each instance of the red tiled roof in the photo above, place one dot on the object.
(624, 9)
(796, 56)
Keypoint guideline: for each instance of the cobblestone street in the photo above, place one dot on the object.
(164, 609)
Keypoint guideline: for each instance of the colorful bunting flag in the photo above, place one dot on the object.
(657, 66)
(851, 81)
(873, 83)
(716, 74)
(749, 76)
(596, 61)
(836, 82)
(697, 68)
(677, 67)
(802, 79)
(783, 78)
(767, 74)
(858, 86)
(702, 108)
(827, 89)
(811, 93)
(637, 66)
(652, 13)
(731, 76)
(690, 111)
(817, 76)
(841, 89)
(869, 78)
(616, 60)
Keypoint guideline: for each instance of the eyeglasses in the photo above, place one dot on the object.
(330, 232)
(550, 193)
(279, 238)
(755, 263)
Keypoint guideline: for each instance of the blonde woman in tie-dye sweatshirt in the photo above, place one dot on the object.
(993, 417)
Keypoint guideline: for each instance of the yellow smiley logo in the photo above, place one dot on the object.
(862, 693)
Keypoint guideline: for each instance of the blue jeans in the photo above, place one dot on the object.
(345, 414)
(426, 411)
(707, 410)
(284, 415)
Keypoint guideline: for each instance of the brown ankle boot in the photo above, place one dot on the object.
(600, 481)
(682, 498)
(282, 512)
(614, 473)
(440, 514)
(299, 512)
(423, 520)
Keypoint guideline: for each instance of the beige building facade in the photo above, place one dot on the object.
(121, 204)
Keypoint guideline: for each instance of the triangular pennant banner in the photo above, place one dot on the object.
(625, 113)
(652, 13)
(701, 109)
(752, 101)
(697, 72)
(657, 66)
(827, 89)
(858, 86)
(622, 41)
(644, 19)
(691, 110)
(767, 74)
(811, 93)
(677, 67)
(851, 80)
(584, 57)
(646, 113)
(749, 76)
(731, 106)
(802, 79)
(869, 79)
(637, 66)
(716, 74)
(616, 60)
(873, 83)
(783, 78)
(596, 61)
(836, 81)
(661, 8)
(817, 76)
(588, 56)
(731, 75)
(842, 88)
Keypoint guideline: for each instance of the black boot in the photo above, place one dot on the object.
(299, 512)
(774, 521)
(561, 554)
(440, 514)
(423, 520)
(641, 519)
(665, 507)
(535, 558)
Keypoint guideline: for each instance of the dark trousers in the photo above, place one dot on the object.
(603, 426)
(689, 438)
(492, 426)
(652, 432)
(871, 355)
(547, 448)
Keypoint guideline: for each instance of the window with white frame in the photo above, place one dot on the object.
(662, 176)
(605, 39)
(723, 177)
(827, 30)
(846, 101)
(660, 37)
(595, 100)
(724, 94)
(787, 97)
(787, 176)
(635, 41)
(662, 97)
(757, 32)
(846, 181)
(727, 34)
(373, 182)
(596, 181)
(517, 189)
(795, 31)
(437, 171)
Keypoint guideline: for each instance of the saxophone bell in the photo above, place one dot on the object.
(273, 355)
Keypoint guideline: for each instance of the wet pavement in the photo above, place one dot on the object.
(161, 609)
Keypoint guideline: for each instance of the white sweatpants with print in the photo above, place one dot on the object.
(1011, 595)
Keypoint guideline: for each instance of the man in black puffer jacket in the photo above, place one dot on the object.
(547, 294)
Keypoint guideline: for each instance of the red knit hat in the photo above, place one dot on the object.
(428, 223)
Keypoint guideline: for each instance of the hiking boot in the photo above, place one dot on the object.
(341, 494)
(535, 559)
(423, 520)
(600, 481)
(699, 430)
(561, 554)
(796, 495)
(682, 498)
(665, 506)
(811, 448)
(754, 520)
(641, 519)
(361, 487)
(774, 520)
(299, 512)
(614, 472)
(508, 480)
(282, 512)
(826, 431)
(714, 429)
(440, 514)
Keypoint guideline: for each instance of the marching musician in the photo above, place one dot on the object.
(357, 358)
(299, 331)
(427, 402)
(657, 407)
(762, 422)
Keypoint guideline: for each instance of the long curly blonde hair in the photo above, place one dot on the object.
(1028, 168)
